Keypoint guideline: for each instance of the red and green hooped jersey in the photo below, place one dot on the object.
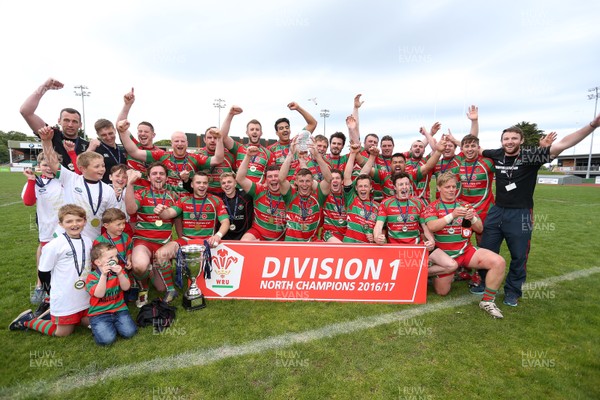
(139, 165)
(336, 162)
(361, 216)
(422, 185)
(214, 172)
(402, 218)
(269, 212)
(123, 243)
(190, 162)
(450, 237)
(450, 164)
(476, 178)
(279, 151)
(315, 170)
(148, 225)
(384, 165)
(334, 211)
(258, 164)
(303, 215)
(200, 215)
(384, 178)
(111, 302)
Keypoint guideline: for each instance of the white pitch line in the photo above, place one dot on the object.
(10, 204)
(209, 356)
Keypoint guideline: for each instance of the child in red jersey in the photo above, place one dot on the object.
(108, 312)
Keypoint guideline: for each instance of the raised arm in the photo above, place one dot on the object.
(46, 133)
(378, 234)
(325, 183)
(241, 176)
(130, 204)
(368, 167)
(311, 122)
(574, 138)
(128, 100)
(355, 135)
(284, 184)
(219, 156)
(352, 125)
(354, 149)
(428, 136)
(28, 108)
(473, 115)
(130, 147)
(435, 156)
(226, 125)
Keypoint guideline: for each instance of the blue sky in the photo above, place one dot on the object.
(414, 62)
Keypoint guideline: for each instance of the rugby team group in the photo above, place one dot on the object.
(108, 213)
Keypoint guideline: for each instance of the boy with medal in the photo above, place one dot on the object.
(444, 219)
(47, 194)
(108, 312)
(64, 266)
(114, 222)
(86, 190)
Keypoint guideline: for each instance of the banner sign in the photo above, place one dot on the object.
(318, 271)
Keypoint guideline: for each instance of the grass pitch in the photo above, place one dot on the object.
(548, 347)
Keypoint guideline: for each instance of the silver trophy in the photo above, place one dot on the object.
(193, 299)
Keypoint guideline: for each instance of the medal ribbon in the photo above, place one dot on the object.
(87, 188)
(118, 161)
(473, 167)
(183, 165)
(199, 215)
(402, 214)
(447, 165)
(79, 271)
(271, 203)
(367, 215)
(40, 182)
(226, 201)
(338, 206)
(164, 199)
(304, 208)
(119, 253)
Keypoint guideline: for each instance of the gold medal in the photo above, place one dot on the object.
(79, 284)
(198, 227)
(158, 222)
(270, 220)
(95, 222)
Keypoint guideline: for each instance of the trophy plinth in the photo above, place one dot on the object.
(193, 299)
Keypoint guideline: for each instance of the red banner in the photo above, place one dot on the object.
(318, 271)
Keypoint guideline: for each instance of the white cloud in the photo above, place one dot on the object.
(414, 62)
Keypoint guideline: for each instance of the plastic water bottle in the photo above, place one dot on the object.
(304, 140)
